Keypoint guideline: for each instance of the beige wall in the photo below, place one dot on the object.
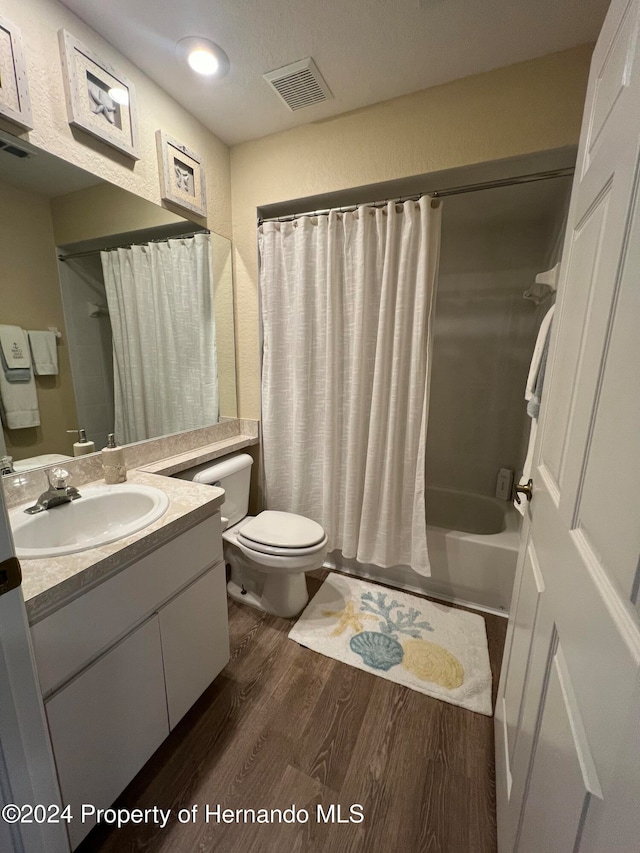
(524, 108)
(39, 21)
(31, 299)
(103, 210)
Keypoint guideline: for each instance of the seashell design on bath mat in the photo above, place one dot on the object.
(424, 645)
(378, 651)
(430, 662)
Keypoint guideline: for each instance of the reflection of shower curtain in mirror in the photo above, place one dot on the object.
(160, 300)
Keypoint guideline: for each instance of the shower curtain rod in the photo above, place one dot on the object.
(189, 235)
(466, 188)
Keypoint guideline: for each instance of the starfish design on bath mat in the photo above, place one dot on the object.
(349, 618)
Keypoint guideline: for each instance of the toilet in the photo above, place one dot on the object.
(268, 553)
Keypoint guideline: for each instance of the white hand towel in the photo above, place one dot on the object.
(44, 352)
(537, 353)
(536, 359)
(19, 403)
(15, 347)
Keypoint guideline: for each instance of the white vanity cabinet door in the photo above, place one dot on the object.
(102, 615)
(195, 640)
(107, 722)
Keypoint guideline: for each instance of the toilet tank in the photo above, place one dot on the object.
(231, 473)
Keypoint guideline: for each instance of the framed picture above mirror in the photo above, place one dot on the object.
(100, 99)
(181, 175)
(15, 103)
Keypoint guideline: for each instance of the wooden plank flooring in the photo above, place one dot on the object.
(283, 725)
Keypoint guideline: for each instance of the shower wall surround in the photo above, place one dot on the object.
(484, 333)
(89, 338)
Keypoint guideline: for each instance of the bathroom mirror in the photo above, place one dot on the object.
(59, 227)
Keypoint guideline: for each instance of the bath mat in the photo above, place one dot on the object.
(429, 647)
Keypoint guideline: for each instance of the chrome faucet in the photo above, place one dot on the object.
(57, 493)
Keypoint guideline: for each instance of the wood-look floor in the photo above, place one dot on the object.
(282, 724)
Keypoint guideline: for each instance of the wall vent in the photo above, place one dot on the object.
(299, 85)
(10, 148)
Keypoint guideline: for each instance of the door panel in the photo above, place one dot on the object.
(613, 461)
(613, 76)
(565, 768)
(525, 618)
(27, 772)
(562, 771)
(585, 256)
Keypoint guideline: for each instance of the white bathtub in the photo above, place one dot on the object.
(473, 549)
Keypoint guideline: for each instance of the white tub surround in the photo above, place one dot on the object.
(473, 548)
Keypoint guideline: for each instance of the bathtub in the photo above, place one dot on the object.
(473, 545)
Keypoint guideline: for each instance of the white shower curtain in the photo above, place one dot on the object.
(160, 299)
(347, 301)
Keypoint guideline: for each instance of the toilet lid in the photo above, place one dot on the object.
(282, 530)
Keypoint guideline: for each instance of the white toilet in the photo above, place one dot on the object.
(268, 553)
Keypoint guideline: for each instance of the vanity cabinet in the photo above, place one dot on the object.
(188, 624)
(121, 664)
(108, 722)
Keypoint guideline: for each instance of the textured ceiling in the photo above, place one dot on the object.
(367, 50)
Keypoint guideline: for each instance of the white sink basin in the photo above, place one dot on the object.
(103, 514)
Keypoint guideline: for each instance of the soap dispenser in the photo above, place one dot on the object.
(82, 446)
(113, 462)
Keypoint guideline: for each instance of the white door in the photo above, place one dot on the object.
(27, 774)
(568, 709)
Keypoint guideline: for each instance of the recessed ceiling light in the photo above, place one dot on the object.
(203, 61)
(204, 56)
(119, 95)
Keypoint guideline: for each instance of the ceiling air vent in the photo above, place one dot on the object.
(299, 84)
(10, 148)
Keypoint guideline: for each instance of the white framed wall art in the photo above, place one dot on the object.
(15, 103)
(100, 100)
(181, 175)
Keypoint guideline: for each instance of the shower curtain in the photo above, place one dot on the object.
(160, 299)
(347, 301)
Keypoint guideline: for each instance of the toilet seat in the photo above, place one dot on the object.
(283, 534)
(259, 548)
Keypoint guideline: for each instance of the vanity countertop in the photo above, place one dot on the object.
(48, 584)
(198, 455)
